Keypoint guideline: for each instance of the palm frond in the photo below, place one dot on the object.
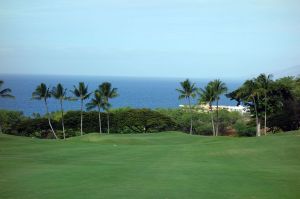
(7, 96)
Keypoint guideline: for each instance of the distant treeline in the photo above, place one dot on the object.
(123, 121)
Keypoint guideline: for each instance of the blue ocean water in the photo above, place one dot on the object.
(133, 92)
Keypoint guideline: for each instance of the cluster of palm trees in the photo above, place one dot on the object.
(254, 93)
(100, 100)
(211, 93)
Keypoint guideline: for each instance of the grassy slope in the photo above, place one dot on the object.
(165, 165)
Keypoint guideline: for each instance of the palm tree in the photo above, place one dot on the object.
(81, 92)
(59, 93)
(97, 101)
(5, 93)
(107, 92)
(42, 93)
(264, 81)
(219, 88)
(187, 91)
(249, 94)
(207, 95)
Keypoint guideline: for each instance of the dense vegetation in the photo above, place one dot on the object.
(126, 120)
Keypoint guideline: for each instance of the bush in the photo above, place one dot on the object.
(201, 120)
(38, 127)
(121, 121)
(90, 121)
(144, 121)
(244, 129)
(9, 120)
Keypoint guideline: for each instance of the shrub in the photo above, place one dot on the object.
(121, 121)
(143, 121)
(244, 129)
(38, 127)
(202, 120)
(9, 120)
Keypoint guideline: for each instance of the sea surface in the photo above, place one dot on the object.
(133, 92)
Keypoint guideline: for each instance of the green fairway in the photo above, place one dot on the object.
(164, 165)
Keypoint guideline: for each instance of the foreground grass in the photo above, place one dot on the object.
(164, 165)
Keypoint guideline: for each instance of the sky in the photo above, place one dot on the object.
(157, 38)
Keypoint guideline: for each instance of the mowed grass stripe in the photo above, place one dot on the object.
(163, 165)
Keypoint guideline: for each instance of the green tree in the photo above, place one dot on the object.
(107, 92)
(219, 88)
(97, 102)
(249, 94)
(81, 93)
(42, 93)
(284, 104)
(264, 81)
(60, 93)
(207, 95)
(187, 91)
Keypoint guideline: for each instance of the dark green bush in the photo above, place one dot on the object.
(121, 121)
(144, 121)
(38, 127)
(90, 121)
(8, 121)
(244, 129)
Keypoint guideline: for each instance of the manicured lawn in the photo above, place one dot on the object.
(164, 165)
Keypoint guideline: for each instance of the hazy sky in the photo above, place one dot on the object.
(160, 38)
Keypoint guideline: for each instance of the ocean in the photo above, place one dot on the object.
(133, 92)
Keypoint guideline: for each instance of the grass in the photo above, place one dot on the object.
(164, 165)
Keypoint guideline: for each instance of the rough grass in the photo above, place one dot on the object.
(164, 165)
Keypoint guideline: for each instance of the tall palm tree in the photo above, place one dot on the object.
(207, 95)
(42, 93)
(249, 94)
(97, 102)
(264, 81)
(107, 92)
(60, 93)
(187, 91)
(219, 88)
(82, 93)
(5, 93)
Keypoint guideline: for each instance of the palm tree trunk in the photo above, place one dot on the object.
(107, 122)
(265, 130)
(190, 107)
(81, 117)
(217, 125)
(258, 128)
(100, 128)
(47, 112)
(212, 121)
(62, 119)
(257, 119)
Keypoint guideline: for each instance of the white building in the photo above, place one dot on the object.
(205, 107)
